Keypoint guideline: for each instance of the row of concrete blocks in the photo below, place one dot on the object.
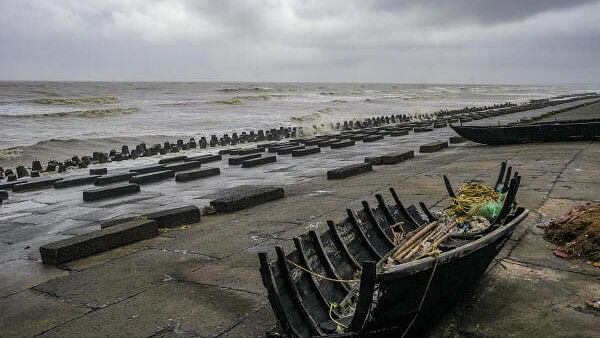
(185, 171)
(142, 150)
(122, 231)
(116, 233)
(465, 115)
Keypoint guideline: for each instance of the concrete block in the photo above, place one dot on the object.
(373, 138)
(307, 151)
(150, 168)
(433, 147)
(342, 144)
(33, 184)
(196, 174)
(172, 159)
(240, 159)
(358, 137)
(205, 158)
(258, 161)
(288, 150)
(349, 170)
(457, 139)
(74, 181)
(110, 191)
(10, 185)
(396, 133)
(183, 166)
(80, 246)
(327, 143)
(245, 196)
(152, 177)
(113, 178)
(228, 151)
(422, 129)
(242, 152)
(275, 148)
(392, 158)
(170, 218)
(99, 171)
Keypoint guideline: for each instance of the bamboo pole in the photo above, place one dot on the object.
(409, 243)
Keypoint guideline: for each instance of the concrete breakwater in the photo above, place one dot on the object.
(419, 123)
(211, 266)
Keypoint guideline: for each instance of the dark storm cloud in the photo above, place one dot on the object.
(295, 40)
(486, 12)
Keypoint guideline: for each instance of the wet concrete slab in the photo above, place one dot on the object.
(29, 312)
(209, 267)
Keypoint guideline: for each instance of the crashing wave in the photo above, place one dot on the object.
(93, 113)
(316, 115)
(244, 89)
(76, 100)
(239, 100)
(10, 153)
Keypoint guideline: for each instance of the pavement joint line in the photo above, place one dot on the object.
(185, 252)
(238, 323)
(90, 309)
(508, 259)
(171, 327)
(222, 287)
(563, 170)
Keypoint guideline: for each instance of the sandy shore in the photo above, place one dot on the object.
(203, 280)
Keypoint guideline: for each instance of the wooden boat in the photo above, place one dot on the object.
(554, 131)
(346, 263)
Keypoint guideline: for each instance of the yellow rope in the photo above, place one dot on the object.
(469, 197)
(321, 276)
(331, 307)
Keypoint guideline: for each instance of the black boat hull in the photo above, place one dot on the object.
(542, 132)
(325, 268)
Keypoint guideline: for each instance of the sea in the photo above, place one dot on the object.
(56, 120)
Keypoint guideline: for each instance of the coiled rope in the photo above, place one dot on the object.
(470, 196)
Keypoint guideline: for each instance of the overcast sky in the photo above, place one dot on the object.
(422, 41)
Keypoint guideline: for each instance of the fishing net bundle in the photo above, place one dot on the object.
(577, 232)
